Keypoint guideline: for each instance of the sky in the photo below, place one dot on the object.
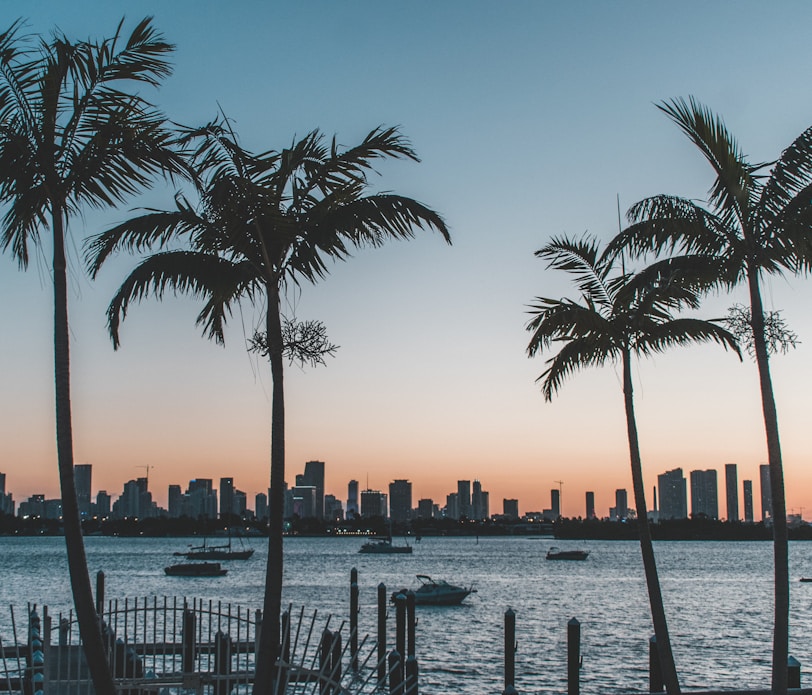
(532, 119)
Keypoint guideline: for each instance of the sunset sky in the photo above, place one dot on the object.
(531, 118)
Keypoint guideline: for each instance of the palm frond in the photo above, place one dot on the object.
(658, 337)
(556, 320)
(574, 355)
(581, 258)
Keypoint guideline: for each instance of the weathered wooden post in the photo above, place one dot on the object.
(100, 594)
(335, 658)
(64, 632)
(793, 673)
(510, 652)
(411, 676)
(400, 626)
(573, 657)
(655, 674)
(36, 657)
(354, 619)
(188, 641)
(325, 654)
(411, 624)
(395, 673)
(286, 637)
(222, 662)
(381, 634)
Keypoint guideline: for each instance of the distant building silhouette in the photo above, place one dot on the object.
(673, 495)
(590, 505)
(425, 508)
(314, 475)
(305, 501)
(479, 502)
(555, 503)
(333, 510)
(452, 506)
(732, 491)
(6, 500)
(261, 506)
(400, 501)
(175, 501)
(103, 504)
(373, 503)
(82, 473)
(747, 488)
(766, 492)
(463, 499)
(510, 508)
(226, 497)
(352, 499)
(704, 494)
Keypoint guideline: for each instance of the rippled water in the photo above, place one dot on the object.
(718, 601)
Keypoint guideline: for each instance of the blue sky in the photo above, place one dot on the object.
(530, 118)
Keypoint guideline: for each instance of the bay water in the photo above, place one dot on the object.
(718, 598)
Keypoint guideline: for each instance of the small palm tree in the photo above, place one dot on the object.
(264, 221)
(618, 316)
(758, 221)
(70, 136)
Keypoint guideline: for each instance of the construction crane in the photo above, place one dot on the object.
(146, 467)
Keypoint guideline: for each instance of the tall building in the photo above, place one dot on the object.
(732, 491)
(452, 506)
(352, 499)
(590, 505)
(373, 503)
(673, 495)
(479, 502)
(400, 501)
(425, 508)
(766, 492)
(621, 504)
(82, 474)
(704, 494)
(6, 501)
(135, 501)
(226, 497)
(747, 488)
(200, 499)
(314, 475)
(103, 504)
(555, 503)
(333, 510)
(305, 501)
(464, 499)
(175, 501)
(510, 508)
(261, 506)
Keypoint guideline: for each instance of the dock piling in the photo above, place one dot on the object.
(573, 657)
(354, 619)
(510, 652)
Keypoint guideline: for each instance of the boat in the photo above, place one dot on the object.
(384, 546)
(216, 552)
(437, 592)
(195, 569)
(806, 579)
(556, 554)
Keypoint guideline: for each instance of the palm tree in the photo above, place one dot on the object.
(619, 315)
(71, 136)
(757, 221)
(264, 221)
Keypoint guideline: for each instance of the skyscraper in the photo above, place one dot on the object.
(479, 502)
(82, 474)
(226, 497)
(400, 501)
(555, 503)
(621, 504)
(766, 492)
(747, 486)
(673, 495)
(352, 499)
(590, 505)
(261, 506)
(464, 499)
(425, 508)
(175, 501)
(704, 494)
(314, 475)
(373, 503)
(732, 491)
(510, 508)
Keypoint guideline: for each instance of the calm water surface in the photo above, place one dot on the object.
(718, 601)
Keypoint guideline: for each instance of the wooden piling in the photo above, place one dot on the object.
(395, 673)
(411, 676)
(325, 654)
(400, 624)
(793, 673)
(381, 634)
(510, 652)
(286, 637)
(335, 658)
(573, 657)
(655, 674)
(354, 619)
(100, 595)
(222, 662)
(411, 625)
(188, 641)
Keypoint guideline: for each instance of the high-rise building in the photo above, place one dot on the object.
(6, 501)
(135, 501)
(555, 503)
(732, 491)
(82, 474)
(103, 504)
(200, 499)
(400, 501)
(510, 508)
(452, 506)
(621, 504)
(352, 499)
(479, 502)
(314, 475)
(305, 501)
(261, 506)
(239, 504)
(425, 508)
(704, 494)
(175, 501)
(464, 499)
(590, 505)
(673, 494)
(766, 492)
(333, 510)
(747, 489)
(373, 503)
(226, 497)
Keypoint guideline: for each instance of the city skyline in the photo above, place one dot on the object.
(531, 121)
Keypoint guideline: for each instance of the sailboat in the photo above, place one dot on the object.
(216, 552)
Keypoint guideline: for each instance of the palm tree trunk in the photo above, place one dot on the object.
(777, 497)
(655, 597)
(86, 615)
(269, 646)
